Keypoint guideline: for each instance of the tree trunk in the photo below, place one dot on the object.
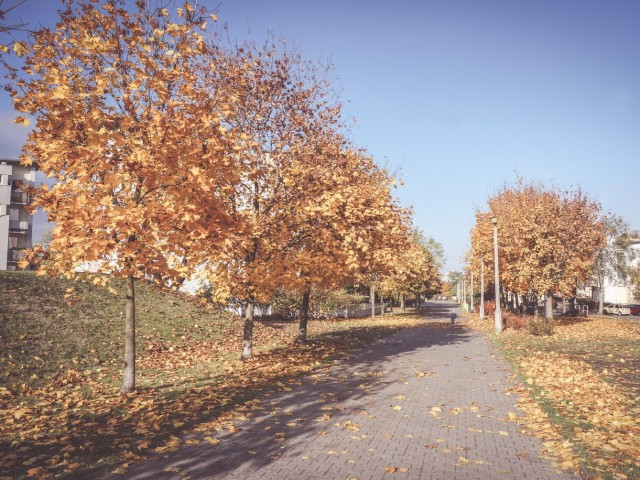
(247, 337)
(564, 305)
(548, 306)
(382, 306)
(600, 294)
(464, 295)
(417, 300)
(402, 307)
(129, 375)
(304, 318)
(372, 294)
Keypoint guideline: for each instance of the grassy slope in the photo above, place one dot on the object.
(43, 333)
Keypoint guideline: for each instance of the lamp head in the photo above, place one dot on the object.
(494, 220)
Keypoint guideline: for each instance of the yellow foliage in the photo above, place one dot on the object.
(547, 239)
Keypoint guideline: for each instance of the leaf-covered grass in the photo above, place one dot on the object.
(47, 329)
(582, 391)
(61, 413)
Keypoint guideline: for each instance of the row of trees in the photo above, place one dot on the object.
(550, 242)
(177, 156)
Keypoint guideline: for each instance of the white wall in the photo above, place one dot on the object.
(4, 241)
(615, 292)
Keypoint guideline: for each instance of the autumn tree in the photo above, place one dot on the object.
(430, 245)
(547, 238)
(345, 213)
(480, 254)
(445, 288)
(285, 115)
(415, 271)
(375, 229)
(434, 252)
(132, 136)
(317, 257)
(327, 202)
(453, 278)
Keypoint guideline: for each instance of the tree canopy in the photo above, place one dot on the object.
(132, 135)
(547, 241)
(175, 154)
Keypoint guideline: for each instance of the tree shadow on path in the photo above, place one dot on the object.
(288, 420)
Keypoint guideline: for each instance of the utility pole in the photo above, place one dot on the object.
(472, 305)
(482, 288)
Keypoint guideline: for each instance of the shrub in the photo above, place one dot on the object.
(540, 327)
(516, 322)
(489, 307)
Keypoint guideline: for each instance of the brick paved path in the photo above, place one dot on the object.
(428, 402)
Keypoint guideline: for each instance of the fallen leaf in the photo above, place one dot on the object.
(36, 472)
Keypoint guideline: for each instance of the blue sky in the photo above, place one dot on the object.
(465, 95)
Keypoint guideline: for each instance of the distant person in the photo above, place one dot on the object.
(453, 317)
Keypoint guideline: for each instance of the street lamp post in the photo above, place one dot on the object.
(472, 305)
(482, 288)
(498, 315)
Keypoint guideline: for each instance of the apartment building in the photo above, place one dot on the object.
(621, 290)
(15, 222)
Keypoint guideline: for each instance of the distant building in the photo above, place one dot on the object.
(15, 222)
(621, 291)
(616, 290)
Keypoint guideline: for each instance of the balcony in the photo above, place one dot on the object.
(20, 198)
(14, 255)
(18, 226)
